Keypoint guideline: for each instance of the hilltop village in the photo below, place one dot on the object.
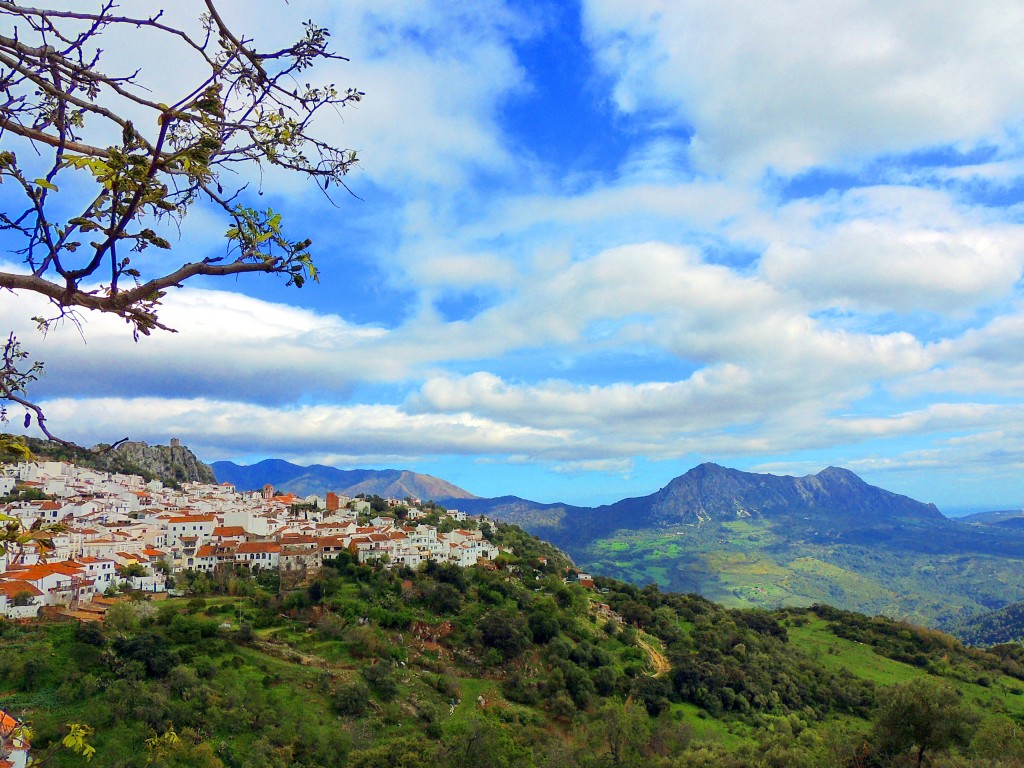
(116, 530)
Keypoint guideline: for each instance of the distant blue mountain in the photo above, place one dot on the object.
(319, 479)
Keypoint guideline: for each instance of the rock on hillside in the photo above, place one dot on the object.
(171, 463)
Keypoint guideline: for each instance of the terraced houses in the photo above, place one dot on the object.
(114, 530)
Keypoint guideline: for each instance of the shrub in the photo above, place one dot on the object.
(351, 699)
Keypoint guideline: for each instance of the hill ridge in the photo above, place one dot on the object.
(320, 479)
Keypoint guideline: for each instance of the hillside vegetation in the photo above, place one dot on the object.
(1004, 625)
(369, 667)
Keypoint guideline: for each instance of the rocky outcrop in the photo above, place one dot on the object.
(173, 464)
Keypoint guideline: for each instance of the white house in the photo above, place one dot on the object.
(10, 589)
(189, 526)
(263, 554)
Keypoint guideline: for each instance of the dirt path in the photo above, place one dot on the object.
(661, 665)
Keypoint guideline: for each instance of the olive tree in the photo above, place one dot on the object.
(922, 715)
(98, 166)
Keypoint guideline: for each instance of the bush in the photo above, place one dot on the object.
(351, 699)
(196, 604)
(506, 632)
(381, 678)
(90, 633)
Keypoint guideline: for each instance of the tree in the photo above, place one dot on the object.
(506, 631)
(96, 168)
(482, 741)
(131, 570)
(923, 714)
(621, 733)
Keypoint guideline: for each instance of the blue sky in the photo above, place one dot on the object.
(596, 244)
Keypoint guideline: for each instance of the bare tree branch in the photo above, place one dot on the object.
(58, 112)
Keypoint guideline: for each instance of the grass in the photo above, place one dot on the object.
(706, 728)
(836, 653)
(1004, 693)
(470, 689)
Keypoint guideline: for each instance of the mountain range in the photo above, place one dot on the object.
(319, 480)
(745, 539)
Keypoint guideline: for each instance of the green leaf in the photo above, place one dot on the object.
(46, 185)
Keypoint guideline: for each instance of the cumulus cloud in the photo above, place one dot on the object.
(225, 342)
(813, 82)
(985, 359)
(233, 426)
(894, 249)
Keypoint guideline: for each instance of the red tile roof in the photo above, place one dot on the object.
(258, 546)
(7, 724)
(12, 587)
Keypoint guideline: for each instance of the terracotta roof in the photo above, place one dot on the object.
(297, 538)
(229, 530)
(7, 724)
(332, 541)
(42, 570)
(193, 519)
(258, 546)
(12, 587)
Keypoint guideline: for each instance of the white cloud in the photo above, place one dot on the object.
(981, 360)
(813, 82)
(894, 249)
(602, 466)
(226, 342)
(246, 428)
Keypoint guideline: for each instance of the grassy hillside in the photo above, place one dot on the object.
(509, 667)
